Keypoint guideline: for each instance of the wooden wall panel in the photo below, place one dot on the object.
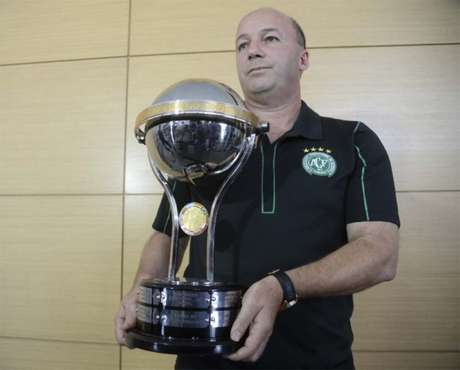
(165, 26)
(407, 361)
(60, 266)
(26, 354)
(408, 95)
(419, 311)
(62, 127)
(54, 30)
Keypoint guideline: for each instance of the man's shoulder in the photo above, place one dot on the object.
(337, 126)
(350, 127)
(337, 122)
(333, 127)
(348, 132)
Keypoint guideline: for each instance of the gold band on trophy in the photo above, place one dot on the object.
(193, 219)
(178, 108)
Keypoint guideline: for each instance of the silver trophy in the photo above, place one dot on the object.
(194, 130)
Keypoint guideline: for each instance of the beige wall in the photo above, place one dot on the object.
(77, 198)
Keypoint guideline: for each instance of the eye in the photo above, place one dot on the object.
(242, 46)
(271, 38)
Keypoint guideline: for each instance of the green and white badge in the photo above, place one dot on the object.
(319, 162)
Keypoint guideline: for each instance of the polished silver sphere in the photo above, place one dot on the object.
(195, 128)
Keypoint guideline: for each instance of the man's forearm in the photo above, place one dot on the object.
(360, 264)
(154, 260)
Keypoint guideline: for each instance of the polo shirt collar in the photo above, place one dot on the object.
(307, 125)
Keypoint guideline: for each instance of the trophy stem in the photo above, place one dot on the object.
(174, 252)
(248, 147)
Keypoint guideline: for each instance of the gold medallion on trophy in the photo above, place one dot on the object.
(193, 219)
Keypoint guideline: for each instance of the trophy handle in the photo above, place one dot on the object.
(249, 144)
(174, 252)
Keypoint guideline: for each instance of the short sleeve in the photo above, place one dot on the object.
(162, 222)
(371, 194)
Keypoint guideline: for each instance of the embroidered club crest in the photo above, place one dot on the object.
(319, 163)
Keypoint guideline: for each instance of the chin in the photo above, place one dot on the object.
(257, 88)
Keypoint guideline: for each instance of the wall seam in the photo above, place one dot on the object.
(62, 60)
(55, 340)
(221, 52)
(123, 206)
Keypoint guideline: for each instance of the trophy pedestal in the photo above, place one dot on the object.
(186, 317)
(181, 346)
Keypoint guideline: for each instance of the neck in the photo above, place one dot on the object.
(280, 115)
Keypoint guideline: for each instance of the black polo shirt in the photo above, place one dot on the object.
(289, 207)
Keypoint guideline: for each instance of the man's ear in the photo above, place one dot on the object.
(304, 61)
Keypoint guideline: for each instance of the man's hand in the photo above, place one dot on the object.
(126, 317)
(261, 303)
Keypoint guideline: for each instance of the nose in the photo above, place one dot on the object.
(255, 51)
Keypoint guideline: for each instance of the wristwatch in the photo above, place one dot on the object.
(289, 295)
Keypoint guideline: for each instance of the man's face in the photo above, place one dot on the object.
(268, 57)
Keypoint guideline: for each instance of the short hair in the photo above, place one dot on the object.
(300, 36)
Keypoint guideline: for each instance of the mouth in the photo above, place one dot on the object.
(255, 69)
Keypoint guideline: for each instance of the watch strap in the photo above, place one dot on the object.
(289, 293)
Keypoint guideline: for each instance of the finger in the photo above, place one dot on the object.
(130, 317)
(120, 333)
(245, 352)
(256, 341)
(120, 313)
(243, 320)
(240, 355)
(260, 350)
(120, 336)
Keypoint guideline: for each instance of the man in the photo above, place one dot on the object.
(316, 200)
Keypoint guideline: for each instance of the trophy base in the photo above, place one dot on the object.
(183, 346)
(185, 317)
